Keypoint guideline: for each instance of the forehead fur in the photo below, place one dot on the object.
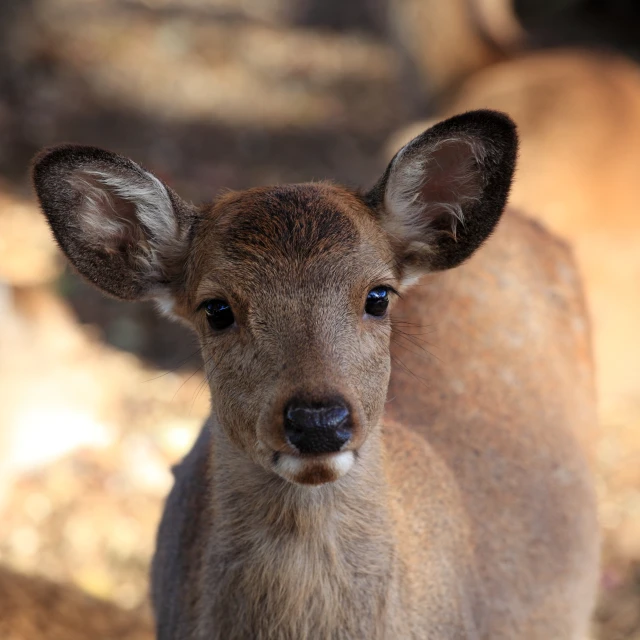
(251, 237)
(292, 222)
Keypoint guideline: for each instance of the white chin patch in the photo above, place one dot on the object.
(316, 470)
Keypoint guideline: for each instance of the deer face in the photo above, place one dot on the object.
(288, 288)
(289, 295)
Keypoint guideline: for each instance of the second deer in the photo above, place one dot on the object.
(578, 115)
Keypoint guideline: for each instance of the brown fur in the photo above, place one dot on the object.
(32, 608)
(478, 522)
(578, 115)
(510, 340)
(466, 512)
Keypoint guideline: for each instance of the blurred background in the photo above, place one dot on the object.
(99, 398)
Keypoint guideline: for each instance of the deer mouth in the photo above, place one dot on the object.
(313, 469)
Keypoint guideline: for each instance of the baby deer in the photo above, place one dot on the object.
(301, 512)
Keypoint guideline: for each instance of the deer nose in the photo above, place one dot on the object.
(318, 427)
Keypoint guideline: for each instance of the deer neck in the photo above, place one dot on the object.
(302, 561)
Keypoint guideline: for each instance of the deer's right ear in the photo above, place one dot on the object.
(118, 224)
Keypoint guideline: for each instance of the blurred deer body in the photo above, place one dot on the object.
(578, 116)
(447, 41)
(33, 608)
(303, 512)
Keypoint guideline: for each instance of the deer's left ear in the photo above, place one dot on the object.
(121, 227)
(444, 192)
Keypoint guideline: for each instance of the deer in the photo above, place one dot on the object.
(443, 43)
(578, 115)
(329, 494)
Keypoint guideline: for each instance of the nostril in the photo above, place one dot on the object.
(317, 428)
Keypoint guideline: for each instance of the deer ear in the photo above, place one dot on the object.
(443, 193)
(117, 223)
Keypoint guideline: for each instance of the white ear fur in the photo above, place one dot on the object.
(420, 189)
(153, 206)
(434, 185)
(151, 228)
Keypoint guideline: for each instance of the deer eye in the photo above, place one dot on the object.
(219, 314)
(377, 302)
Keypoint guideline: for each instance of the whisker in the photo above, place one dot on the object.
(416, 343)
(405, 368)
(417, 338)
(414, 325)
(203, 384)
(187, 380)
(174, 369)
(411, 351)
(200, 368)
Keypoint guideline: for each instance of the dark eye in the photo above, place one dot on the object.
(219, 314)
(377, 301)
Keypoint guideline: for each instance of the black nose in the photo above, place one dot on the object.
(317, 427)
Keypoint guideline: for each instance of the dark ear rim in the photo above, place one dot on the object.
(79, 153)
(500, 132)
(73, 155)
(48, 169)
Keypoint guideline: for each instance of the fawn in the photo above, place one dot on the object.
(301, 512)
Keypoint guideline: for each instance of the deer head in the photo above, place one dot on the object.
(288, 288)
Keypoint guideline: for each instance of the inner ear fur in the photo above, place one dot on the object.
(444, 192)
(120, 226)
